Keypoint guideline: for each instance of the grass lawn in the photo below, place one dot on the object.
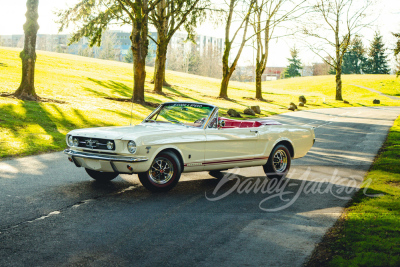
(383, 83)
(368, 234)
(83, 83)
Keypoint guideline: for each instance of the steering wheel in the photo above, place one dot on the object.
(200, 120)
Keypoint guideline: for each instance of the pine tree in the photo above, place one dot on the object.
(377, 61)
(149, 58)
(354, 60)
(294, 64)
(129, 57)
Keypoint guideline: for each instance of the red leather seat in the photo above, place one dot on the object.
(230, 123)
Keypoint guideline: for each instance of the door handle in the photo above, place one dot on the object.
(253, 131)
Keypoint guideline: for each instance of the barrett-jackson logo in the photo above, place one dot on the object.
(91, 143)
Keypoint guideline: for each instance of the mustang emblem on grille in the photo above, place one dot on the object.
(91, 143)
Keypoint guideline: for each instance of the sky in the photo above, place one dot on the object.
(387, 12)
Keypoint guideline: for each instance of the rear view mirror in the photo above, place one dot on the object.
(221, 124)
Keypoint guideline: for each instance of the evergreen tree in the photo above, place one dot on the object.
(354, 59)
(377, 61)
(294, 64)
(129, 57)
(149, 58)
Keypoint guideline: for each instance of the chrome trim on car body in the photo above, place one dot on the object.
(85, 155)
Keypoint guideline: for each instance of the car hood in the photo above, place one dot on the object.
(128, 132)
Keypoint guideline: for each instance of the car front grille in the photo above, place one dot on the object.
(95, 143)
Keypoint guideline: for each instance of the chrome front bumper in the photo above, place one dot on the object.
(104, 162)
(86, 155)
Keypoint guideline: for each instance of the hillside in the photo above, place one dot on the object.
(82, 83)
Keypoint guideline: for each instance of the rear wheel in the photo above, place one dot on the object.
(164, 173)
(278, 164)
(101, 176)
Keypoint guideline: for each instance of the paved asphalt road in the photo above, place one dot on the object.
(53, 214)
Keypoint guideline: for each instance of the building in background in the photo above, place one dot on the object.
(273, 73)
(52, 42)
(12, 40)
(205, 43)
(122, 44)
(59, 43)
(202, 57)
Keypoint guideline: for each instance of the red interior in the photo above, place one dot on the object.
(230, 123)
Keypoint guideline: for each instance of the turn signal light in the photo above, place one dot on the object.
(70, 159)
(130, 168)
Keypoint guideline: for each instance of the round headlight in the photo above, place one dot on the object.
(110, 145)
(132, 147)
(76, 142)
(70, 140)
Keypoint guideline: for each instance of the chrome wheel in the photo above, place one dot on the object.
(280, 161)
(162, 171)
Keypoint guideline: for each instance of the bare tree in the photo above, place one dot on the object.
(176, 59)
(93, 17)
(168, 17)
(241, 10)
(267, 17)
(397, 53)
(26, 90)
(210, 62)
(108, 43)
(321, 68)
(342, 19)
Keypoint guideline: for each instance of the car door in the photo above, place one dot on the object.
(231, 146)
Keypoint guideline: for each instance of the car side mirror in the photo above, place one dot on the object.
(221, 124)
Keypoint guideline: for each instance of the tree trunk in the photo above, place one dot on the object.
(224, 85)
(139, 51)
(339, 83)
(226, 75)
(339, 61)
(139, 70)
(258, 84)
(226, 72)
(26, 90)
(159, 69)
(162, 46)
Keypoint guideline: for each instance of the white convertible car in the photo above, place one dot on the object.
(186, 137)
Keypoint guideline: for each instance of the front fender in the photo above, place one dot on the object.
(155, 151)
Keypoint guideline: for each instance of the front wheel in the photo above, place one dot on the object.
(278, 163)
(164, 173)
(101, 176)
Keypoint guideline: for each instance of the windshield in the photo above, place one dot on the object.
(188, 114)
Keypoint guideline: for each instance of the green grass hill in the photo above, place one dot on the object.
(84, 83)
